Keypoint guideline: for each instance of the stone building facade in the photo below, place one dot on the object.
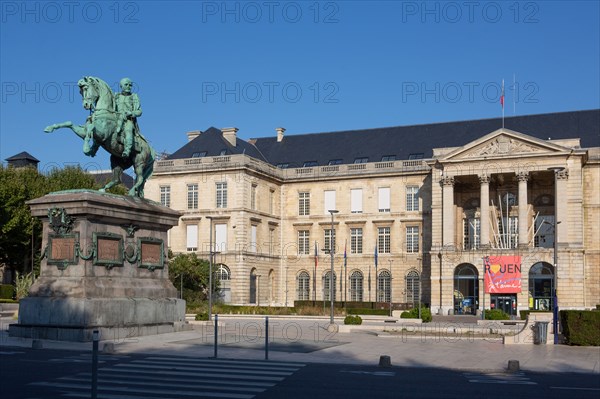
(435, 213)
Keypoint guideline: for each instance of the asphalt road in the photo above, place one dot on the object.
(37, 374)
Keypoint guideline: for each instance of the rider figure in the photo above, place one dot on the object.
(128, 106)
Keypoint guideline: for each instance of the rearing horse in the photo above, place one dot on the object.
(100, 130)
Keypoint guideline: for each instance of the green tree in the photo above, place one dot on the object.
(70, 178)
(191, 272)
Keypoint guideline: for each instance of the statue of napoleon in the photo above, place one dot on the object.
(112, 125)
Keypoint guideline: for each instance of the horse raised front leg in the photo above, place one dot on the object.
(79, 130)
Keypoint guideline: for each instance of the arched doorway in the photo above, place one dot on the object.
(223, 274)
(253, 278)
(413, 285)
(327, 286)
(303, 286)
(384, 286)
(541, 286)
(466, 289)
(356, 286)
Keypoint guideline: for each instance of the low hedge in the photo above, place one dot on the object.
(7, 291)
(496, 314)
(8, 301)
(366, 311)
(414, 314)
(581, 327)
(355, 320)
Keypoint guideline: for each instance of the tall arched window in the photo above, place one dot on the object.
(327, 286)
(541, 286)
(413, 287)
(303, 287)
(253, 278)
(223, 274)
(466, 289)
(384, 289)
(356, 286)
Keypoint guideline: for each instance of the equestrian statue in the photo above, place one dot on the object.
(112, 125)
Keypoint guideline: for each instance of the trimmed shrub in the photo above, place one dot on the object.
(414, 314)
(7, 291)
(581, 327)
(201, 317)
(496, 314)
(366, 311)
(356, 320)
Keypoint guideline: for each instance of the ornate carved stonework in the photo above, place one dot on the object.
(59, 221)
(502, 145)
(523, 176)
(447, 181)
(484, 179)
(562, 174)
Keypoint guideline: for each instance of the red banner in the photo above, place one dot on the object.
(502, 274)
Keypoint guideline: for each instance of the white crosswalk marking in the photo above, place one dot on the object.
(173, 378)
(518, 378)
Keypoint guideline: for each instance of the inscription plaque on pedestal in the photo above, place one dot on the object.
(61, 249)
(109, 249)
(151, 253)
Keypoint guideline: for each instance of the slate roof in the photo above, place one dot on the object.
(22, 156)
(399, 141)
(103, 177)
(213, 143)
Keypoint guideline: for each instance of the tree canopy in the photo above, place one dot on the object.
(19, 185)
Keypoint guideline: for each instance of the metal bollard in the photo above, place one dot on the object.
(216, 333)
(95, 337)
(267, 338)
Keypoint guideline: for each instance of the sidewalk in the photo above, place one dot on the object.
(306, 340)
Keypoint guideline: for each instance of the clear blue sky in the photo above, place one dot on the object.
(307, 66)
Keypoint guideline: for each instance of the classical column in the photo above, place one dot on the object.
(484, 204)
(448, 210)
(523, 208)
(561, 206)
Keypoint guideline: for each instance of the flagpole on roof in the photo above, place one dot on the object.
(502, 103)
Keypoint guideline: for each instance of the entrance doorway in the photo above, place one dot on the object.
(505, 302)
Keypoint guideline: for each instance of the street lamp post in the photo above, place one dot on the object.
(556, 171)
(210, 264)
(331, 283)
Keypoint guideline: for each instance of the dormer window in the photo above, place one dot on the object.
(416, 155)
(388, 158)
(283, 165)
(200, 154)
(223, 152)
(361, 160)
(309, 164)
(335, 162)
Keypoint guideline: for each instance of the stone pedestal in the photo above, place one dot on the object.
(104, 268)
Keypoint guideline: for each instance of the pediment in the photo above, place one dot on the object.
(504, 143)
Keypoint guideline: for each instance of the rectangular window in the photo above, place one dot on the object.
(253, 230)
(412, 198)
(356, 241)
(222, 195)
(384, 199)
(329, 202)
(253, 197)
(383, 240)
(412, 239)
(271, 201)
(471, 233)
(303, 242)
(356, 203)
(329, 241)
(220, 237)
(165, 196)
(303, 204)
(192, 196)
(271, 241)
(192, 237)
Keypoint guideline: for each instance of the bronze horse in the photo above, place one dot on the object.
(100, 130)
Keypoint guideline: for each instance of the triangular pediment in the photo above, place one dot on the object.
(504, 143)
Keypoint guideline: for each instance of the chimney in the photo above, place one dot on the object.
(229, 134)
(193, 134)
(279, 131)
